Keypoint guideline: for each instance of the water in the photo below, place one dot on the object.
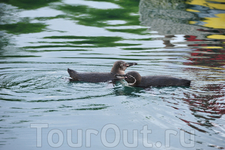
(41, 109)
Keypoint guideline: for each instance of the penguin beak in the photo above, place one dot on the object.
(72, 73)
(130, 64)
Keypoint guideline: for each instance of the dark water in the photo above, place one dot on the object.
(41, 109)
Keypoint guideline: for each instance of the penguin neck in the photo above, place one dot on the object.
(117, 71)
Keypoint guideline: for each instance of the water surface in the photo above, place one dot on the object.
(41, 109)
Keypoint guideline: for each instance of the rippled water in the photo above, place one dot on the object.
(41, 109)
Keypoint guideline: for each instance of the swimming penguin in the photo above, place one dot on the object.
(119, 68)
(135, 79)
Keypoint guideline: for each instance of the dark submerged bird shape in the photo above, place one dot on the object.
(135, 79)
(119, 68)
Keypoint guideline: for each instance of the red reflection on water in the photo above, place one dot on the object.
(213, 57)
(212, 104)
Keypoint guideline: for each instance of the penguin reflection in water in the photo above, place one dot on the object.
(135, 79)
(118, 68)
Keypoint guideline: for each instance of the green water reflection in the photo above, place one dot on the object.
(29, 4)
(97, 41)
(97, 17)
(23, 27)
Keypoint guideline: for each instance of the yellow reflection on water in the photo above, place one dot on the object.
(218, 22)
(209, 4)
(216, 37)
